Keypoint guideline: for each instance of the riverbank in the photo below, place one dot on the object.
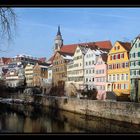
(114, 110)
(120, 111)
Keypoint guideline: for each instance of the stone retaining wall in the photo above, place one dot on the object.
(121, 111)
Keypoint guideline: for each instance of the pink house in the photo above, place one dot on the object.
(101, 76)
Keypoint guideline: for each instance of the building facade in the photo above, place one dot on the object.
(75, 69)
(89, 68)
(118, 69)
(134, 64)
(29, 75)
(59, 72)
(15, 76)
(101, 76)
(40, 74)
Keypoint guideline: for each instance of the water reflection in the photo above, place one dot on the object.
(29, 119)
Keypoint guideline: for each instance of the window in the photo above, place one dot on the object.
(89, 80)
(102, 71)
(89, 71)
(119, 65)
(86, 71)
(134, 55)
(131, 72)
(93, 79)
(130, 55)
(109, 77)
(127, 64)
(92, 61)
(122, 78)
(86, 63)
(134, 72)
(126, 86)
(96, 79)
(118, 56)
(96, 71)
(114, 86)
(139, 63)
(132, 63)
(109, 66)
(114, 77)
(89, 63)
(118, 77)
(111, 57)
(122, 55)
(123, 65)
(122, 86)
(136, 45)
(126, 76)
(93, 70)
(138, 54)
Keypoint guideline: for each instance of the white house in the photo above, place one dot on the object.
(75, 68)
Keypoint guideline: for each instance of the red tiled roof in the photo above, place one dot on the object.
(101, 44)
(105, 45)
(126, 45)
(6, 60)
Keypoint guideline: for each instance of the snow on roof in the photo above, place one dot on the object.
(68, 57)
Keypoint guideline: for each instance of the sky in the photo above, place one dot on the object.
(37, 27)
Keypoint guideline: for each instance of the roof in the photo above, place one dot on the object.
(65, 53)
(101, 44)
(6, 60)
(83, 49)
(43, 59)
(51, 58)
(126, 45)
(104, 45)
(104, 56)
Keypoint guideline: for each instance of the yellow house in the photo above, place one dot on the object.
(118, 68)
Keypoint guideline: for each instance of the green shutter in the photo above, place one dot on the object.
(138, 54)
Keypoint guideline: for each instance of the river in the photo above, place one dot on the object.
(38, 119)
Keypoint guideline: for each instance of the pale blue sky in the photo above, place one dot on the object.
(37, 28)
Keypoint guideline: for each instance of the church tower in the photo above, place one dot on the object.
(58, 41)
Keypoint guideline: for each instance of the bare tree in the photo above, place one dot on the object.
(7, 23)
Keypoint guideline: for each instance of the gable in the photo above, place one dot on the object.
(78, 51)
(133, 49)
(117, 48)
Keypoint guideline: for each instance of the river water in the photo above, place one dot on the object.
(38, 119)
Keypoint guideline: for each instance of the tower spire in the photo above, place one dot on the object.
(58, 43)
(58, 32)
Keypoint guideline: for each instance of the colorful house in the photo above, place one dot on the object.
(134, 64)
(75, 69)
(59, 72)
(40, 74)
(101, 76)
(29, 75)
(118, 69)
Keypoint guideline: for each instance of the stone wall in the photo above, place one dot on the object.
(121, 111)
